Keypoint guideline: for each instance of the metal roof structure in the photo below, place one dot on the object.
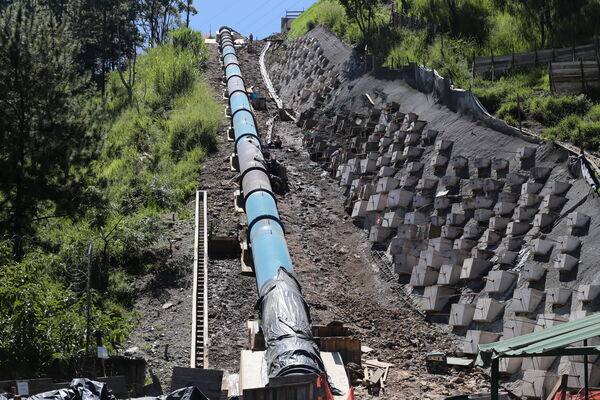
(552, 341)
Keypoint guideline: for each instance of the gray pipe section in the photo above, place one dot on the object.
(284, 314)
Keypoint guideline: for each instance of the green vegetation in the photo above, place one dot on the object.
(100, 142)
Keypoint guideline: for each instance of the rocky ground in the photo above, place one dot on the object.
(332, 259)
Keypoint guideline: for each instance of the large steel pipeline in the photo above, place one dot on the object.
(284, 315)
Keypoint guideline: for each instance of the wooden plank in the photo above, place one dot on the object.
(118, 384)
(348, 348)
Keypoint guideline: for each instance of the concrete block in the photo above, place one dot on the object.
(504, 208)
(487, 310)
(397, 156)
(386, 172)
(558, 188)
(407, 231)
(456, 256)
(432, 258)
(461, 314)
(526, 300)
(427, 184)
(475, 338)
(576, 375)
(540, 173)
(512, 243)
(459, 162)
(408, 181)
(399, 136)
(553, 202)
(443, 145)
(377, 202)
(482, 254)
(394, 147)
(525, 153)
(499, 224)
(384, 161)
(472, 231)
(473, 268)
(587, 293)
(347, 178)
(367, 166)
(506, 257)
(498, 282)
(420, 201)
(440, 244)
(450, 181)
(403, 263)
(393, 219)
(492, 185)
(451, 232)
(529, 200)
(515, 179)
(532, 272)
(577, 220)
(417, 126)
(414, 167)
(509, 366)
(537, 383)
(441, 203)
(557, 296)
(531, 188)
(412, 138)
(411, 152)
(541, 247)
(482, 163)
(484, 202)
(543, 220)
(499, 164)
(522, 214)
(517, 326)
(483, 215)
(399, 198)
(475, 184)
(439, 161)
(449, 274)
(455, 219)
(468, 204)
(436, 220)
(415, 218)
(490, 237)
(429, 135)
(565, 262)
(464, 244)
(436, 297)
(508, 197)
(568, 244)
(360, 209)
(379, 233)
(384, 185)
(517, 228)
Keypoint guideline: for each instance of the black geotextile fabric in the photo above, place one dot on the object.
(286, 326)
(85, 389)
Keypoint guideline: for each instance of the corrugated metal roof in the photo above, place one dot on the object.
(536, 343)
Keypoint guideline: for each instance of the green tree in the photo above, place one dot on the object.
(363, 13)
(43, 120)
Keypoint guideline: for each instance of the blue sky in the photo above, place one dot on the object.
(260, 17)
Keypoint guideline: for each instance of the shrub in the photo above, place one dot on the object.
(594, 113)
(550, 110)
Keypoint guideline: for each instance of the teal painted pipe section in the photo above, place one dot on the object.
(269, 251)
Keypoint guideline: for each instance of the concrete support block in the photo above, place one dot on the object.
(475, 338)
(368, 166)
(557, 296)
(443, 144)
(512, 243)
(549, 320)
(484, 202)
(461, 314)
(504, 208)
(533, 272)
(577, 220)
(347, 178)
(587, 293)
(386, 172)
(565, 262)
(409, 231)
(393, 219)
(468, 204)
(499, 164)
(415, 218)
(537, 383)
(436, 297)
(436, 220)
(482, 163)
(411, 153)
(531, 188)
(412, 138)
(473, 268)
(506, 257)
(464, 244)
(529, 200)
(472, 231)
(498, 282)
(449, 274)
(576, 375)
(487, 310)
(377, 202)
(568, 244)
(482, 254)
(455, 219)
(509, 366)
(543, 220)
(399, 198)
(441, 203)
(360, 209)
(558, 188)
(517, 326)
(540, 173)
(414, 167)
(379, 233)
(475, 185)
(451, 232)
(542, 247)
(538, 363)
(553, 202)
(517, 228)
(492, 185)
(427, 184)
(440, 244)
(450, 181)
(526, 300)
(499, 224)
(432, 258)
(396, 156)
(439, 161)
(515, 179)
(508, 197)
(490, 237)
(459, 162)
(483, 215)
(525, 153)
(384, 161)
(524, 213)
(384, 185)
(429, 135)
(403, 263)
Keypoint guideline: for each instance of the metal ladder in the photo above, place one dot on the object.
(198, 353)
